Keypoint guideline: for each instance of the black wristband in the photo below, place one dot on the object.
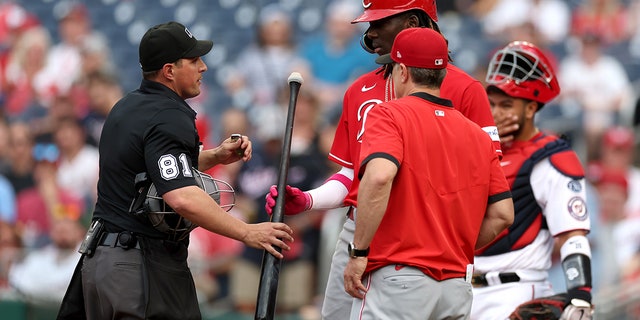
(576, 293)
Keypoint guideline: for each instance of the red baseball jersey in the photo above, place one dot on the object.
(466, 93)
(448, 172)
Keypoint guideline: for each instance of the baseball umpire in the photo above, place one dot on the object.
(547, 182)
(447, 194)
(386, 19)
(130, 267)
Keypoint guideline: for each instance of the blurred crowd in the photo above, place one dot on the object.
(55, 95)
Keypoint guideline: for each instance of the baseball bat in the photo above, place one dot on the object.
(266, 304)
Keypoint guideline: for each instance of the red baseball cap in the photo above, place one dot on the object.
(379, 9)
(418, 48)
(618, 137)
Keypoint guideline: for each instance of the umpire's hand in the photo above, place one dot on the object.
(353, 277)
(232, 149)
(268, 234)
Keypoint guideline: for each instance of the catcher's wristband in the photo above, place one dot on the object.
(583, 293)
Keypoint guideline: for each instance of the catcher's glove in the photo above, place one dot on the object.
(556, 307)
(546, 308)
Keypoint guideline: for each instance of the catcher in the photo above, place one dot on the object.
(548, 187)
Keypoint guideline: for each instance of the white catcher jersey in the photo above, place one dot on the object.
(562, 199)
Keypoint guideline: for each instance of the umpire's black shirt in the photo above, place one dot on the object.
(149, 130)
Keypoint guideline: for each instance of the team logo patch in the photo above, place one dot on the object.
(574, 185)
(578, 208)
(572, 273)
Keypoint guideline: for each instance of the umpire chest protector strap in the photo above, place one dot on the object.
(528, 219)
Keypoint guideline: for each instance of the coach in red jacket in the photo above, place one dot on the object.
(432, 191)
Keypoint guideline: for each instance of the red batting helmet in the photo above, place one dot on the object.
(521, 70)
(380, 9)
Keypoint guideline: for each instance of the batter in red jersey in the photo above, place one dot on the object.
(432, 191)
(386, 19)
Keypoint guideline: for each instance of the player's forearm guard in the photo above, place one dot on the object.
(576, 262)
(577, 271)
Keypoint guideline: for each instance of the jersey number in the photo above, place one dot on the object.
(169, 166)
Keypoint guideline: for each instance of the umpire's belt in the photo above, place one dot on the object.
(125, 240)
(493, 278)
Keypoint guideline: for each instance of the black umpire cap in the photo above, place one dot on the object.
(167, 43)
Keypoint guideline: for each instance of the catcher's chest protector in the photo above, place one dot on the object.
(528, 219)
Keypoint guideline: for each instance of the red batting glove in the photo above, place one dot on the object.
(295, 200)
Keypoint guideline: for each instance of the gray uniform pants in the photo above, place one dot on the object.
(406, 293)
(455, 302)
(337, 302)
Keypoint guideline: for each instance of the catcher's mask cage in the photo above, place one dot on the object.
(522, 71)
(165, 219)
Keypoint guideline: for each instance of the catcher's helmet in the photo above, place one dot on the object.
(521, 70)
(380, 9)
(164, 219)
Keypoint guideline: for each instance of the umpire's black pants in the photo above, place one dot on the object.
(149, 283)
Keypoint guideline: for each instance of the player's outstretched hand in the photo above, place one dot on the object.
(295, 200)
(353, 277)
(507, 125)
(268, 234)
